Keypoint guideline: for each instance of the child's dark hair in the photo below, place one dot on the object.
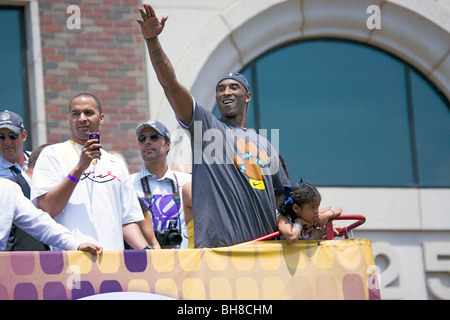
(301, 193)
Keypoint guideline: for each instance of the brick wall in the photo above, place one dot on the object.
(106, 57)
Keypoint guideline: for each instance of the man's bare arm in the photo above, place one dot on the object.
(178, 96)
(56, 199)
(133, 236)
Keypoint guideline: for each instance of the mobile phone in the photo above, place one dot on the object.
(94, 135)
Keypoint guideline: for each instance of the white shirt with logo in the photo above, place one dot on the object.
(103, 200)
(164, 207)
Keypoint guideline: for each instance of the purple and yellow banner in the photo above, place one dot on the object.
(342, 269)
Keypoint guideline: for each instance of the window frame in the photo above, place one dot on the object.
(37, 130)
(251, 71)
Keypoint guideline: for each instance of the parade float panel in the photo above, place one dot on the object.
(269, 270)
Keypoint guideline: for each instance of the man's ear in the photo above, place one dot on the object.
(248, 97)
(24, 135)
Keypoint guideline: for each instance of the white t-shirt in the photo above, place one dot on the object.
(17, 209)
(103, 200)
(164, 207)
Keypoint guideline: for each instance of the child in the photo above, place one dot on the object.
(299, 215)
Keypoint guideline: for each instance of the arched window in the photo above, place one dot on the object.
(351, 115)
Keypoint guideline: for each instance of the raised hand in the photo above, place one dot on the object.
(150, 25)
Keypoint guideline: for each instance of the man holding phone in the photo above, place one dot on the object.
(85, 188)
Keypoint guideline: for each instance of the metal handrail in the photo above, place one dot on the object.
(329, 227)
(344, 231)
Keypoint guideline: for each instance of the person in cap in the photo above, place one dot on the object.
(235, 171)
(85, 188)
(13, 157)
(160, 187)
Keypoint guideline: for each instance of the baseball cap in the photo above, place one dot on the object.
(158, 126)
(11, 121)
(235, 76)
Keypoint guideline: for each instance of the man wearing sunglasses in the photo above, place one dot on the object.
(159, 186)
(13, 157)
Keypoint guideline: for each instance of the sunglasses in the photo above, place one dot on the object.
(152, 136)
(12, 136)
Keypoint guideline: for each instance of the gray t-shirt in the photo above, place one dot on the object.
(235, 176)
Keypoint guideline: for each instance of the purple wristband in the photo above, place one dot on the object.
(72, 178)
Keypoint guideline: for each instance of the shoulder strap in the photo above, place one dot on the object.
(149, 197)
(176, 199)
(176, 191)
(147, 191)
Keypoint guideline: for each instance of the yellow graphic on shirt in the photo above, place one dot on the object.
(251, 163)
(257, 184)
